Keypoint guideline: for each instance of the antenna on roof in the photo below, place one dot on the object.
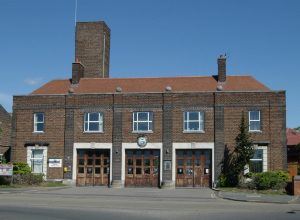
(75, 12)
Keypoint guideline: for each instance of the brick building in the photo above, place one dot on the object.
(96, 130)
(5, 134)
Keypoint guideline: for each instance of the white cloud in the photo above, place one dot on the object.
(33, 81)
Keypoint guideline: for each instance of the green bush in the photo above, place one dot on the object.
(21, 168)
(223, 182)
(270, 180)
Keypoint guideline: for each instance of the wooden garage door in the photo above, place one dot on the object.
(193, 168)
(92, 167)
(142, 168)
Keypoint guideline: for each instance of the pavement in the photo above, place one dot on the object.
(257, 197)
(155, 193)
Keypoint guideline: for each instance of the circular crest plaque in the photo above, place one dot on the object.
(142, 141)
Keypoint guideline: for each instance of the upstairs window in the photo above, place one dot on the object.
(193, 121)
(142, 121)
(39, 121)
(93, 122)
(254, 121)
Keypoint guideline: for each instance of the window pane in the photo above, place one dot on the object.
(86, 128)
(179, 171)
(97, 170)
(135, 126)
(143, 126)
(135, 116)
(150, 116)
(143, 116)
(147, 170)
(94, 126)
(254, 125)
(254, 115)
(40, 127)
(86, 117)
(130, 162)
(146, 162)
(129, 170)
(80, 169)
(98, 162)
(150, 126)
(258, 154)
(185, 115)
(189, 162)
(94, 116)
(138, 171)
(37, 154)
(194, 116)
(185, 125)
(39, 117)
(138, 162)
(256, 166)
(194, 126)
(180, 162)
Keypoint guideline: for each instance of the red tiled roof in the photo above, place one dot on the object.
(150, 85)
(293, 137)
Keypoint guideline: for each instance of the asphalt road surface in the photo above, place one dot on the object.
(88, 203)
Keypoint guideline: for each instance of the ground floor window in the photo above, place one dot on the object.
(37, 159)
(258, 163)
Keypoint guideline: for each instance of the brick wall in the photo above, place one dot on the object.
(92, 48)
(5, 133)
(53, 136)
(64, 125)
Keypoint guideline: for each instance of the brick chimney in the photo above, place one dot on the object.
(92, 47)
(222, 68)
(77, 72)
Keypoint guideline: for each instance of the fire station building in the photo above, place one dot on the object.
(147, 132)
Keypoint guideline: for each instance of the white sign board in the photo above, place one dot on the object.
(55, 162)
(6, 170)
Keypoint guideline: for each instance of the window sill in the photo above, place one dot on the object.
(258, 131)
(193, 132)
(142, 132)
(93, 132)
(38, 132)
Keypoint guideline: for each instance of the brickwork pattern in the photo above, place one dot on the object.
(92, 48)
(5, 132)
(64, 117)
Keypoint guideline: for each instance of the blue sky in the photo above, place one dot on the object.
(155, 38)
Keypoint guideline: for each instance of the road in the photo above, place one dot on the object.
(90, 203)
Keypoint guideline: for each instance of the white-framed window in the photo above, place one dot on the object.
(259, 162)
(39, 121)
(193, 121)
(142, 121)
(256, 163)
(37, 160)
(254, 121)
(93, 122)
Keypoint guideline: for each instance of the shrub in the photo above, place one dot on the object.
(270, 180)
(223, 182)
(28, 179)
(21, 168)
